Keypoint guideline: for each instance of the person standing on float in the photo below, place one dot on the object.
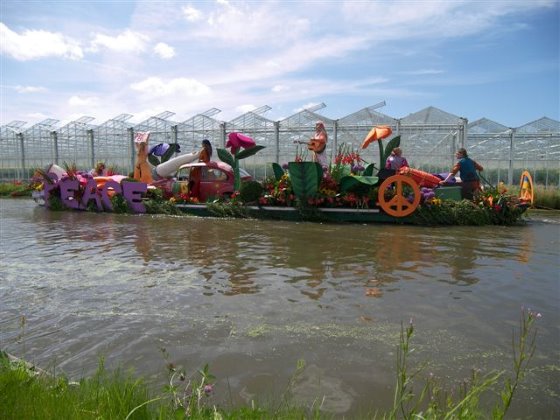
(470, 182)
(318, 144)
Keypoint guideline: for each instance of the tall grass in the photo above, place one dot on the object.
(24, 394)
(27, 394)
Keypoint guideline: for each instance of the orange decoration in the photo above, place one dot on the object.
(424, 179)
(376, 133)
(526, 192)
(398, 205)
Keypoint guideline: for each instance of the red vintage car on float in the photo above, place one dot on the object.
(216, 180)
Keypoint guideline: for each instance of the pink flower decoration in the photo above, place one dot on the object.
(238, 140)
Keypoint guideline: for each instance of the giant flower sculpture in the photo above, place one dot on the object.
(235, 142)
(377, 133)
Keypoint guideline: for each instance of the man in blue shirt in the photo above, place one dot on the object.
(467, 168)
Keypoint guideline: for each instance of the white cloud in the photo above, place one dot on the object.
(422, 72)
(83, 100)
(242, 109)
(29, 89)
(253, 24)
(156, 87)
(36, 44)
(36, 116)
(279, 88)
(191, 14)
(127, 41)
(437, 19)
(164, 51)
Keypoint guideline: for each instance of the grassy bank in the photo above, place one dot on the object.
(30, 394)
(15, 189)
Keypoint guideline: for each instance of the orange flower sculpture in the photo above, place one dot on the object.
(376, 133)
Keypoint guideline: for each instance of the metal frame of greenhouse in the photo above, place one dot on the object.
(429, 139)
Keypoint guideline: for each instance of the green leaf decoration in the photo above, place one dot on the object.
(236, 176)
(248, 152)
(395, 142)
(278, 171)
(153, 160)
(305, 177)
(225, 156)
(169, 152)
(369, 169)
(381, 154)
(349, 183)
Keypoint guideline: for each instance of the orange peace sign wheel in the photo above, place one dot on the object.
(398, 205)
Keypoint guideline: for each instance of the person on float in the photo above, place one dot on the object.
(395, 160)
(204, 155)
(470, 182)
(142, 169)
(99, 170)
(318, 144)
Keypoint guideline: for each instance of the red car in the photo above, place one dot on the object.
(216, 180)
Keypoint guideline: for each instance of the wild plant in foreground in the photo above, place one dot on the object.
(523, 350)
(190, 398)
(433, 402)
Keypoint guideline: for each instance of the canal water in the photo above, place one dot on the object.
(252, 298)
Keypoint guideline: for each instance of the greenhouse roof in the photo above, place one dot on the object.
(306, 118)
(367, 117)
(80, 124)
(16, 125)
(543, 125)
(45, 125)
(202, 121)
(431, 115)
(158, 122)
(486, 126)
(252, 120)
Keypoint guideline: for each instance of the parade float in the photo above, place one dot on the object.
(349, 190)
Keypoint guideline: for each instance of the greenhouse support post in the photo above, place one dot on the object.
(130, 132)
(277, 141)
(54, 137)
(510, 167)
(463, 131)
(335, 138)
(174, 130)
(223, 133)
(19, 136)
(89, 136)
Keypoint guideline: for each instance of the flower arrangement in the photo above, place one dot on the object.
(277, 192)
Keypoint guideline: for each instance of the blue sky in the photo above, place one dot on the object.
(475, 59)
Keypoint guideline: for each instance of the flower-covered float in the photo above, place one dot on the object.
(348, 190)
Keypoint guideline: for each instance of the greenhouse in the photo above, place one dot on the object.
(429, 139)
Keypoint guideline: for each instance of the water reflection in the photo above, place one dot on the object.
(230, 293)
